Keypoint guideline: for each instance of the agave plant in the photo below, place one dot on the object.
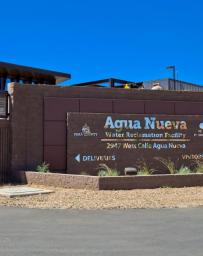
(105, 170)
(168, 163)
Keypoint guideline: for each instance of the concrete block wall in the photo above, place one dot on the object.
(38, 117)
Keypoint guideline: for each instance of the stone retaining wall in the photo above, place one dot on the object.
(153, 181)
(109, 183)
(58, 180)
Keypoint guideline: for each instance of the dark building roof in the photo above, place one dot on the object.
(29, 75)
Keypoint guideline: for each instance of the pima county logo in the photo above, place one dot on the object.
(86, 132)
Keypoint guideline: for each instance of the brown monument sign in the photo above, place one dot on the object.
(123, 140)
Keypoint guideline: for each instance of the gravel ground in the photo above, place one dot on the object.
(86, 199)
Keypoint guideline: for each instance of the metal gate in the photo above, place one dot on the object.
(4, 151)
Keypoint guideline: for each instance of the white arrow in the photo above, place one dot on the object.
(77, 158)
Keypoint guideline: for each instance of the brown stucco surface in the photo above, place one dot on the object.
(38, 117)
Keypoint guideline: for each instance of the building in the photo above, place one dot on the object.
(35, 127)
(171, 85)
(28, 75)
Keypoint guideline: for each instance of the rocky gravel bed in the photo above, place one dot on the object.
(86, 199)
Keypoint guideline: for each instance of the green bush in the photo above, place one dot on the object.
(44, 167)
(104, 170)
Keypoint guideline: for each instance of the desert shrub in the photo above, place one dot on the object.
(199, 166)
(184, 170)
(143, 173)
(44, 167)
(199, 169)
(168, 163)
(143, 168)
(105, 170)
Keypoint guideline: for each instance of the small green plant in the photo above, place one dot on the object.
(184, 170)
(168, 163)
(144, 169)
(199, 166)
(105, 170)
(44, 167)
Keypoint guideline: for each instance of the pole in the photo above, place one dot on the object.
(174, 77)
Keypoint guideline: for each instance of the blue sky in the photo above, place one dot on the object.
(93, 39)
